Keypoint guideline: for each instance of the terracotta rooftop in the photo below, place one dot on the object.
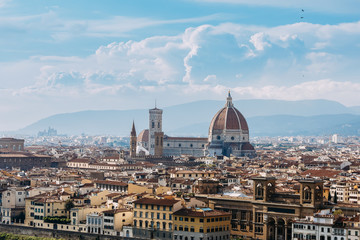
(153, 201)
(200, 213)
(117, 183)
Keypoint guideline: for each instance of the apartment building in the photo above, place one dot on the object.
(153, 218)
(201, 224)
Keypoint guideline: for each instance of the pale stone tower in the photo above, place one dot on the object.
(133, 141)
(156, 134)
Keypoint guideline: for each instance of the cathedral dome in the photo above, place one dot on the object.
(143, 136)
(228, 118)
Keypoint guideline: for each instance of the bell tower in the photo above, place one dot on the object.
(311, 192)
(156, 135)
(264, 188)
(133, 141)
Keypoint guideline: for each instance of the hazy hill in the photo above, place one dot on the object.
(265, 117)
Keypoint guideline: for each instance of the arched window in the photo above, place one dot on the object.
(158, 124)
(259, 191)
(307, 194)
(152, 124)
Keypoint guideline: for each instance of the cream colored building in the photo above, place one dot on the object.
(155, 214)
(192, 174)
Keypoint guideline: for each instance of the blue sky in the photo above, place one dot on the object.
(66, 56)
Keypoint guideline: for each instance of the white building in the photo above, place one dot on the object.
(324, 226)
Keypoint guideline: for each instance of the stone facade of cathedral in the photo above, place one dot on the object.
(228, 135)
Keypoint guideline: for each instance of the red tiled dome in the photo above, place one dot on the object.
(143, 136)
(229, 118)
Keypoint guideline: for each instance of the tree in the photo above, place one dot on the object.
(338, 212)
(68, 206)
(329, 197)
(335, 197)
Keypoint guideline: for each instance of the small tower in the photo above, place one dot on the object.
(159, 138)
(264, 188)
(229, 100)
(311, 192)
(133, 141)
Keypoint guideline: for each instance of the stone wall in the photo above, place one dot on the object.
(40, 232)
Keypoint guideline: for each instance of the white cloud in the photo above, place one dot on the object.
(259, 42)
(187, 58)
(291, 62)
(210, 78)
(60, 29)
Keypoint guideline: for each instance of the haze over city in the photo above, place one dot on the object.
(66, 56)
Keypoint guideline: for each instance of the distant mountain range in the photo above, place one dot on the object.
(265, 118)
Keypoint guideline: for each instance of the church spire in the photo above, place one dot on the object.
(229, 100)
(133, 131)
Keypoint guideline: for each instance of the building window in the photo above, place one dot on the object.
(218, 137)
(152, 124)
(232, 138)
(191, 145)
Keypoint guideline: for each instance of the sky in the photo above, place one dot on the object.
(59, 56)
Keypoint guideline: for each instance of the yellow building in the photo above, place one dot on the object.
(41, 206)
(99, 198)
(154, 217)
(115, 219)
(201, 224)
(134, 188)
